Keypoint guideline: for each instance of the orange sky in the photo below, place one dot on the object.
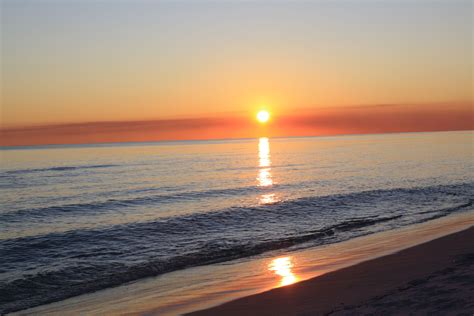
(100, 71)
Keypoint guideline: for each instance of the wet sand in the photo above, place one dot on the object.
(433, 277)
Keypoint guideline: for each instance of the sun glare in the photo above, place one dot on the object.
(263, 116)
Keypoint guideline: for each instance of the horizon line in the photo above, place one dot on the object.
(112, 144)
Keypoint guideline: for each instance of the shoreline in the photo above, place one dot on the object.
(435, 276)
(218, 284)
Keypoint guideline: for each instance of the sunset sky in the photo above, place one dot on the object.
(98, 71)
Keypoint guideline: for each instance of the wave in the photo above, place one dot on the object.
(161, 199)
(59, 265)
(32, 290)
(114, 204)
(63, 168)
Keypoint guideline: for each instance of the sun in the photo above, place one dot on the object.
(263, 116)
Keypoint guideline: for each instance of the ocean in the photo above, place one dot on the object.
(76, 219)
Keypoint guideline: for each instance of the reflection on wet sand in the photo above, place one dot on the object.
(264, 177)
(283, 268)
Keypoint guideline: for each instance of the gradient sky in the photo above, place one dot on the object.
(79, 62)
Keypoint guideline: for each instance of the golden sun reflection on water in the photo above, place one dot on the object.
(282, 267)
(264, 177)
(268, 198)
(264, 152)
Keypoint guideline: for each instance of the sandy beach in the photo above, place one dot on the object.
(434, 277)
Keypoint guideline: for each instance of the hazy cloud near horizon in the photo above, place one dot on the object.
(357, 120)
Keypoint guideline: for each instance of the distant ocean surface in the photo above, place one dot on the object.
(76, 219)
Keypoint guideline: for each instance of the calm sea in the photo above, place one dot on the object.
(76, 219)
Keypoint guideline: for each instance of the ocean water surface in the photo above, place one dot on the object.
(77, 219)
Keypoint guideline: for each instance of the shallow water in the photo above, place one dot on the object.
(75, 219)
